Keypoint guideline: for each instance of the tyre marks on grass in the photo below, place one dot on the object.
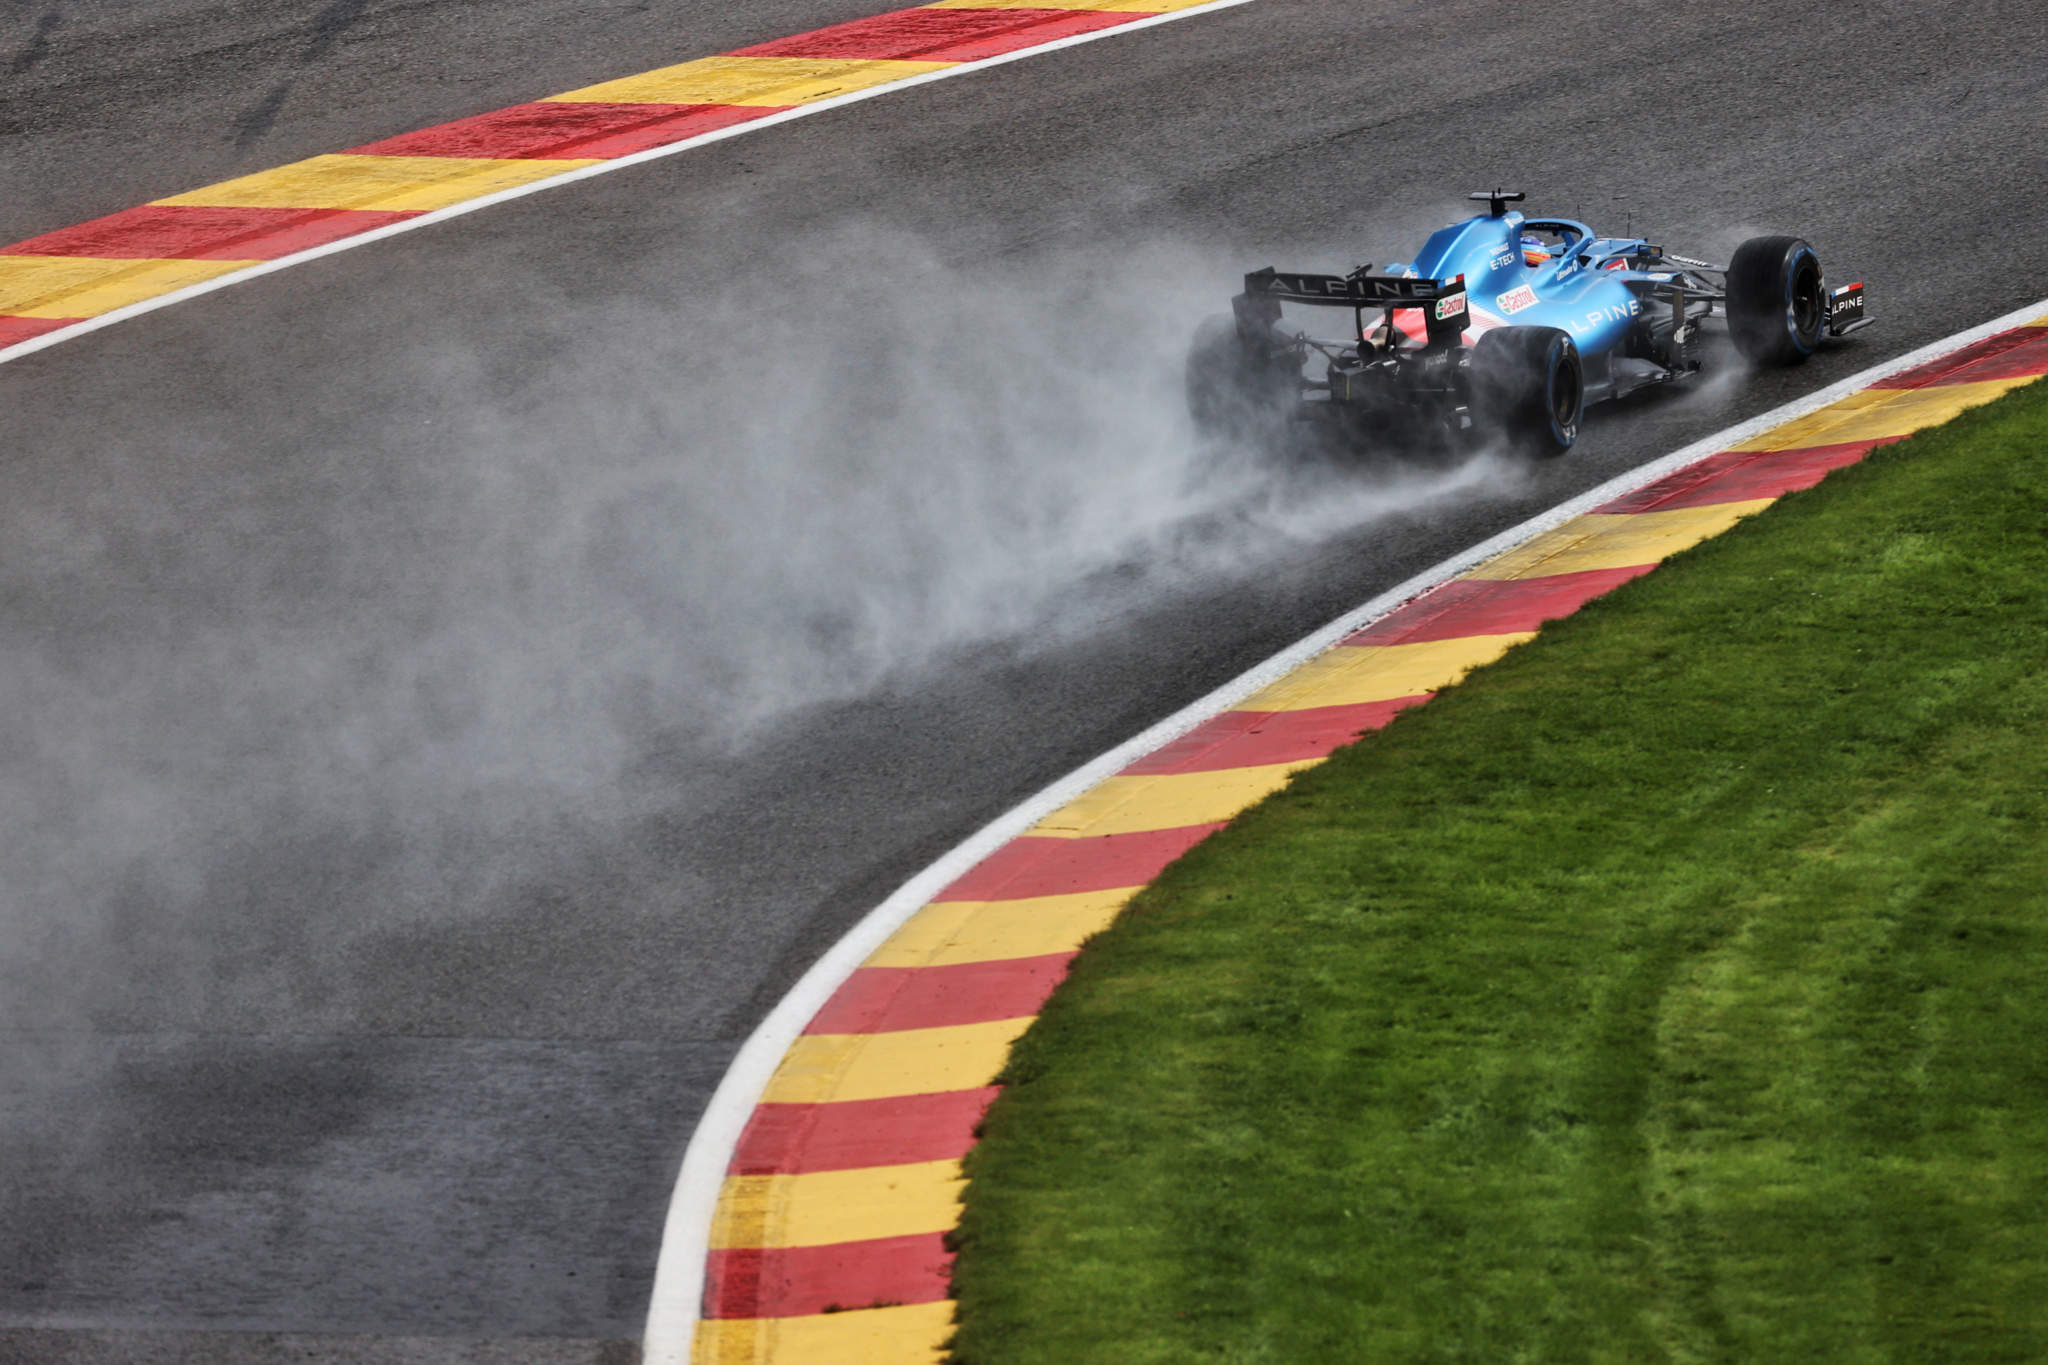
(828, 1244)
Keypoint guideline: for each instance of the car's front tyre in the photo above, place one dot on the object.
(1777, 302)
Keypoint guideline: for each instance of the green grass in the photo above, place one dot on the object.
(1674, 990)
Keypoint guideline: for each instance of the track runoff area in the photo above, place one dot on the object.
(77, 279)
(811, 1218)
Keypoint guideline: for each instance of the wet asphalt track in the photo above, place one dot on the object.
(366, 1080)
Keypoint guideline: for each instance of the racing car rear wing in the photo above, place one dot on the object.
(1441, 301)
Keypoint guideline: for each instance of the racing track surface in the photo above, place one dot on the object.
(387, 887)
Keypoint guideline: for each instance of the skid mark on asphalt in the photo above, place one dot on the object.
(38, 45)
(328, 25)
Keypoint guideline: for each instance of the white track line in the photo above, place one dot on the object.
(193, 291)
(679, 1271)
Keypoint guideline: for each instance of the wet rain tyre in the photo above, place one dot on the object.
(1777, 301)
(1529, 389)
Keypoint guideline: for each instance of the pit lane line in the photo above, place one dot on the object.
(680, 1273)
(244, 270)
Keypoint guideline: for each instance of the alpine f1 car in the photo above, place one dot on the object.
(1505, 328)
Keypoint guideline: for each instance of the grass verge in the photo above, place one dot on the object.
(1674, 990)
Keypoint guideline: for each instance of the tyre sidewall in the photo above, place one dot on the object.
(1562, 411)
(1798, 261)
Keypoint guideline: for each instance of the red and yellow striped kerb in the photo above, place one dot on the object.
(828, 1246)
(66, 277)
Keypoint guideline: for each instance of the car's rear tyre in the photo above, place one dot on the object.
(1231, 390)
(1777, 302)
(1528, 389)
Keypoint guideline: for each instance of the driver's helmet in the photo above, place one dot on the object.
(1535, 251)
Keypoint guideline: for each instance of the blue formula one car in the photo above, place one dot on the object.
(1503, 329)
